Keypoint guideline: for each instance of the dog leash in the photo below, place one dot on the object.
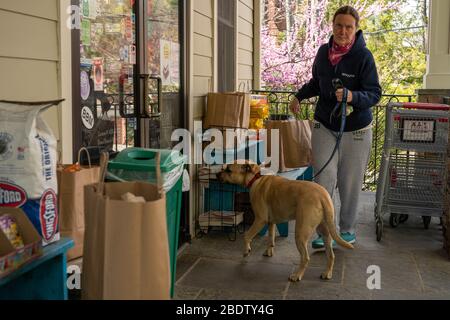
(337, 84)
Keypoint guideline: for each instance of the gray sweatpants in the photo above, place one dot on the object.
(345, 171)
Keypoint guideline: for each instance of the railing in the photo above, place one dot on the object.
(279, 104)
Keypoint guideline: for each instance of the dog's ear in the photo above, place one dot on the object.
(251, 167)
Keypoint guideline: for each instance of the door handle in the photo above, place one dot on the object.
(125, 99)
(156, 107)
(152, 109)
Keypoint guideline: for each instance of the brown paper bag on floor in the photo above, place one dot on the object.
(126, 251)
(295, 143)
(71, 183)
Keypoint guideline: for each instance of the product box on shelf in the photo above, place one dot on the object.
(11, 256)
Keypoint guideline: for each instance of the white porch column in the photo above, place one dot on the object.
(438, 58)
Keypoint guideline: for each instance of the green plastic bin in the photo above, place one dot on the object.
(139, 160)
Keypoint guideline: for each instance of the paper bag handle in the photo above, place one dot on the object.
(87, 153)
(104, 157)
(241, 84)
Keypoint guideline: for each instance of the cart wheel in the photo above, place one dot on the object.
(379, 229)
(403, 218)
(394, 220)
(426, 221)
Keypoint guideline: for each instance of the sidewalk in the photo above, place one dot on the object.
(412, 262)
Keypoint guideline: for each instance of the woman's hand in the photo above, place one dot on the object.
(340, 94)
(294, 106)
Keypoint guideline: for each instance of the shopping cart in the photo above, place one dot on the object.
(413, 168)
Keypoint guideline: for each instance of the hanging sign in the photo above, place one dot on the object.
(98, 74)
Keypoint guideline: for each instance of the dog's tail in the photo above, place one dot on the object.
(329, 220)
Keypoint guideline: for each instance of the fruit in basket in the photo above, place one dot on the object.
(10, 228)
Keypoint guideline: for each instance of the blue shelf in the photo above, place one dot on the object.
(43, 278)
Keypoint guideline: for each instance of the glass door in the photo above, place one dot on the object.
(164, 63)
(128, 77)
(107, 68)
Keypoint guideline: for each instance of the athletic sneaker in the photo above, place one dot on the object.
(347, 236)
(318, 243)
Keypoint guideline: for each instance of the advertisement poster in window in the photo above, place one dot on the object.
(85, 86)
(85, 8)
(132, 54)
(86, 32)
(98, 74)
(165, 62)
(93, 9)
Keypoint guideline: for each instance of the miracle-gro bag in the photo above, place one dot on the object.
(28, 165)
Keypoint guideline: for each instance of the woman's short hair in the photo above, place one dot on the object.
(347, 10)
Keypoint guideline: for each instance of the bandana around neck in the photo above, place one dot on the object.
(336, 52)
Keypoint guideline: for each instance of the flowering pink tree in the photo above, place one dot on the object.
(287, 56)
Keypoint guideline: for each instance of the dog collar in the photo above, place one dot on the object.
(256, 177)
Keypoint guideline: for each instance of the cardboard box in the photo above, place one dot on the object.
(10, 257)
(227, 110)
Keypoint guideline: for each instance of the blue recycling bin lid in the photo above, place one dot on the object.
(141, 159)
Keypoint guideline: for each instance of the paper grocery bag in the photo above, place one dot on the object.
(126, 250)
(229, 110)
(295, 142)
(71, 182)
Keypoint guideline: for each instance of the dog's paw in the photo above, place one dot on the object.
(268, 252)
(326, 276)
(294, 277)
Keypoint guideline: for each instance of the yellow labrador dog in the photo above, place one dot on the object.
(275, 200)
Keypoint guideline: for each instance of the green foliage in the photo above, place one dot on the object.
(399, 49)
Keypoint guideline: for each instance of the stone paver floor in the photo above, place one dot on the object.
(412, 265)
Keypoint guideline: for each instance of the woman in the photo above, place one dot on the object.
(347, 58)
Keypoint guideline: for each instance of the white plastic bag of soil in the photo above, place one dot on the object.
(28, 159)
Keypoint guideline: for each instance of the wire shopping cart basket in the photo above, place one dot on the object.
(413, 168)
